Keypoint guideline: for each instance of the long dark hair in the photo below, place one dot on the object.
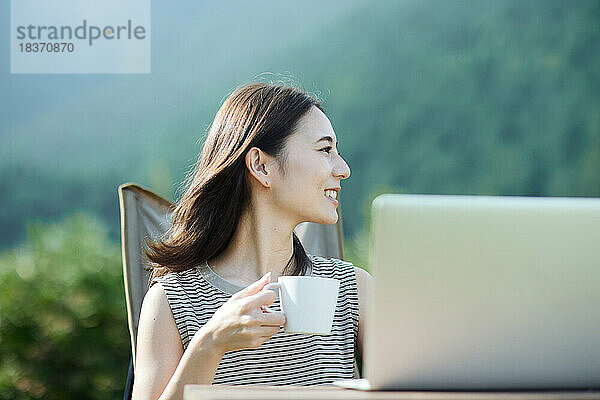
(216, 191)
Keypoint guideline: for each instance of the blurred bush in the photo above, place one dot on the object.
(63, 324)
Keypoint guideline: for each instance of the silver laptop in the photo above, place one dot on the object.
(482, 293)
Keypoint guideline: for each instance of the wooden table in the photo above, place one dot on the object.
(209, 392)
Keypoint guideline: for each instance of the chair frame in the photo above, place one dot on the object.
(145, 214)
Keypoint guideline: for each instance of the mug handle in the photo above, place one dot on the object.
(269, 286)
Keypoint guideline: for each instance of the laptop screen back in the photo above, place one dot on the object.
(484, 292)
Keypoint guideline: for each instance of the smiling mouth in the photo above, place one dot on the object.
(332, 194)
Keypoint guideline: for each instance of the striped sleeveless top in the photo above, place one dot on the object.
(195, 294)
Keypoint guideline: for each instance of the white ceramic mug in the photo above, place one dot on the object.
(308, 303)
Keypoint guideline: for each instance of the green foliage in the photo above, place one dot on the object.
(63, 320)
(462, 97)
(426, 96)
(32, 195)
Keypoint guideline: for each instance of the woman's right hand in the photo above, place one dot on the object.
(240, 323)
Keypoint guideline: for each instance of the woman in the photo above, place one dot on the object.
(269, 162)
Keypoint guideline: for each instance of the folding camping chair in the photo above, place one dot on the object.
(146, 214)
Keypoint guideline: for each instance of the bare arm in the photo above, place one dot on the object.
(366, 286)
(162, 367)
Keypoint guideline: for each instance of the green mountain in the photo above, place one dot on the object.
(471, 97)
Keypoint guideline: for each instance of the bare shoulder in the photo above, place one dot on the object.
(363, 278)
(155, 300)
(156, 317)
(365, 285)
(159, 346)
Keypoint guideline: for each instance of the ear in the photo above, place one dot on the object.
(256, 161)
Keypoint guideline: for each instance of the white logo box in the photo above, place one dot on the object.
(80, 36)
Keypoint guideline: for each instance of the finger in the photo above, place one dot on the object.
(254, 287)
(276, 318)
(269, 331)
(262, 298)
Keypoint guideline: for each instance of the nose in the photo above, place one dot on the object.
(341, 169)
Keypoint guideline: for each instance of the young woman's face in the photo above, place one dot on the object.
(310, 186)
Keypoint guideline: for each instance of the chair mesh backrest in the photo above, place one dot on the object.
(145, 214)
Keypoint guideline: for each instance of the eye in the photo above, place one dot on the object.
(326, 149)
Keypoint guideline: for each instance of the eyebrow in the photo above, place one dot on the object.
(327, 138)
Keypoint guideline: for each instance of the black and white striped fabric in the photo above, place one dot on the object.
(286, 359)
